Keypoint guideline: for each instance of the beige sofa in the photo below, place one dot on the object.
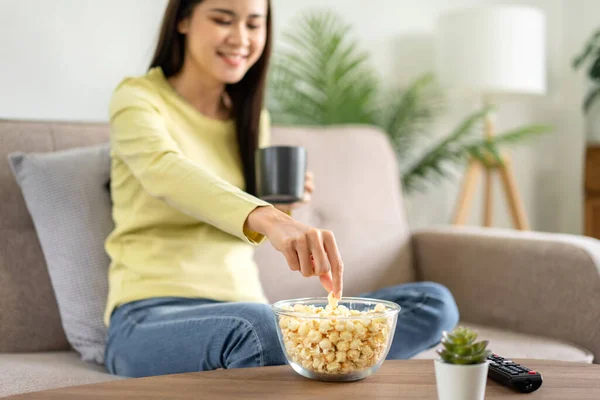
(531, 294)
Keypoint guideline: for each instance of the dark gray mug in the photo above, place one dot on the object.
(280, 172)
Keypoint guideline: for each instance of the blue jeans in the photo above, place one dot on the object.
(173, 335)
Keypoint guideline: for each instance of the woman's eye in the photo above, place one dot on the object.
(250, 26)
(222, 22)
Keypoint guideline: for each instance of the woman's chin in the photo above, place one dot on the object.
(230, 77)
(230, 80)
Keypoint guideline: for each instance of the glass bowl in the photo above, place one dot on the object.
(335, 348)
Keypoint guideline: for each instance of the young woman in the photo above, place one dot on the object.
(184, 290)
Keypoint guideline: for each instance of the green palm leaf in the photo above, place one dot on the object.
(320, 76)
(592, 44)
(406, 115)
(449, 150)
(452, 151)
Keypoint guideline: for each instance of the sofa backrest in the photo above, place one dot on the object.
(357, 197)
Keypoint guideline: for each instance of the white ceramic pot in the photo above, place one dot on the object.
(461, 382)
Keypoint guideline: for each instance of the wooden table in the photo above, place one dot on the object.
(412, 379)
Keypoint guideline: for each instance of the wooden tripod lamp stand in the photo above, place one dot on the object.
(505, 172)
(492, 50)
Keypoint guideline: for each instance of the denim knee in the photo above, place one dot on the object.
(442, 299)
(261, 318)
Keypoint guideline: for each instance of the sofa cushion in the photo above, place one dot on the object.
(67, 196)
(511, 344)
(29, 318)
(30, 372)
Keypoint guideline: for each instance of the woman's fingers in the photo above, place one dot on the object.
(335, 260)
(327, 282)
(309, 187)
(291, 256)
(315, 245)
(309, 184)
(304, 256)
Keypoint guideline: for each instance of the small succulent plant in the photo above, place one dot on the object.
(459, 347)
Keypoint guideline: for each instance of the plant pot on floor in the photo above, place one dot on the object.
(461, 382)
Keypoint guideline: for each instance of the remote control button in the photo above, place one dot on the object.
(532, 372)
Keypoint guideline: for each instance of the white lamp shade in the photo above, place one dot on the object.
(492, 49)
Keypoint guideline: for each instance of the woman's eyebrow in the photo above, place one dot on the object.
(233, 14)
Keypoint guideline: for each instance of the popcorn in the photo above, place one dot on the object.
(343, 346)
(335, 345)
(314, 336)
(334, 337)
(326, 344)
(293, 325)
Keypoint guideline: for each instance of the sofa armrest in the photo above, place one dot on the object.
(533, 282)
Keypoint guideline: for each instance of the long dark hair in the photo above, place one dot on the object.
(246, 95)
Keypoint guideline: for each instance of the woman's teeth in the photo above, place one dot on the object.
(233, 59)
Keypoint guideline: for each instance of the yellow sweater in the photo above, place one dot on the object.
(179, 204)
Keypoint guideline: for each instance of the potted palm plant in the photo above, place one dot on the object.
(461, 372)
(320, 76)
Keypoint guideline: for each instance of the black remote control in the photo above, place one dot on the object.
(513, 375)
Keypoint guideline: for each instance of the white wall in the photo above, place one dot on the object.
(61, 59)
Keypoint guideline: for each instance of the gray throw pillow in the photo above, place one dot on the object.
(67, 197)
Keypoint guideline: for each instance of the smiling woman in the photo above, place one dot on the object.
(183, 140)
(184, 291)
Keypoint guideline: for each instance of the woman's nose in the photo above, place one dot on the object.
(239, 35)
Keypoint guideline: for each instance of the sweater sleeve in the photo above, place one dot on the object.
(139, 138)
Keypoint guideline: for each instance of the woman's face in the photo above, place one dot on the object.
(226, 37)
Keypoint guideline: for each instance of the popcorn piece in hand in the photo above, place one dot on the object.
(333, 302)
